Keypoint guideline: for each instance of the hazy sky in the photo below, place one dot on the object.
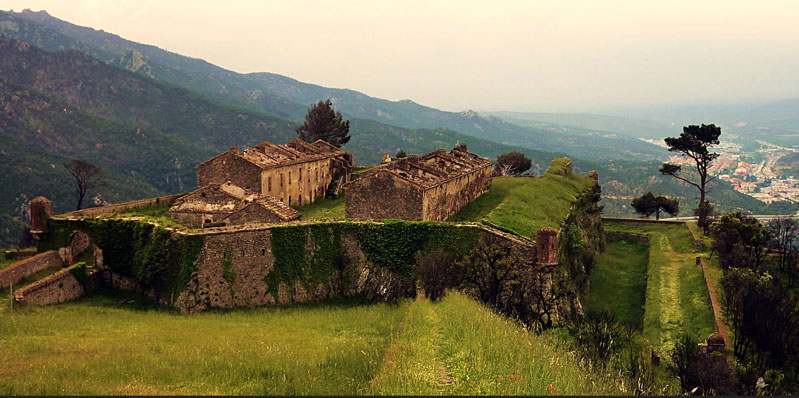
(557, 55)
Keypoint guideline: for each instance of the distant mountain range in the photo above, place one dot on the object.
(148, 116)
(288, 98)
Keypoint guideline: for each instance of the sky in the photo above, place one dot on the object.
(533, 56)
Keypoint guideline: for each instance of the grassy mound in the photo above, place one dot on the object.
(526, 204)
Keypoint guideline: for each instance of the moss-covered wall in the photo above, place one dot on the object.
(161, 262)
(272, 264)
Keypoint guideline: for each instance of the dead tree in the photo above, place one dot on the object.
(87, 176)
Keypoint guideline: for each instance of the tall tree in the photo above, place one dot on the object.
(694, 143)
(323, 123)
(648, 204)
(512, 163)
(87, 176)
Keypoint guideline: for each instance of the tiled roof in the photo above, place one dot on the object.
(435, 167)
(281, 209)
(267, 155)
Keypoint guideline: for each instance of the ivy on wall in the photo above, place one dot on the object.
(144, 251)
(228, 273)
(311, 253)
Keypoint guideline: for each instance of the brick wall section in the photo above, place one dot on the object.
(252, 260)
(615, 236)
(446, 199)
(383, 196)
(57, 288)
(29, 266)
(96, 211)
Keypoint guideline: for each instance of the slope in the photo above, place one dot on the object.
(286, 97)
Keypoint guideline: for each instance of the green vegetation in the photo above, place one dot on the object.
(618, 282)
(157, 213)
(392, 244)
(151, 254)
(323, 209)
(524, 205)
(99, 346)
(677, 299)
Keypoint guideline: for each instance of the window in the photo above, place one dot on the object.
(289, 182)
(309, 174)
(317, 175)
(281, 180)
(300, 180)
(269, 184)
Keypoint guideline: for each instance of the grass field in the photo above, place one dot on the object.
(525, 204)
(323, 209)
(676, 297)
(618, 282)
(100, 346)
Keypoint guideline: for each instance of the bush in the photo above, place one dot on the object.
(435, 273)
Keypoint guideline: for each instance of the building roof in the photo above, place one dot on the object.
(267, 155)
(433, 168)
(194, 202)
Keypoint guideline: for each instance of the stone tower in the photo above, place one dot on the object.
(547, 246)
(40, 208)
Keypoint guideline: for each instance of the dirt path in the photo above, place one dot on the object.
(412, 364)
(718, 316)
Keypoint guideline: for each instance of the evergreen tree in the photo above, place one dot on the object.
(323, 123)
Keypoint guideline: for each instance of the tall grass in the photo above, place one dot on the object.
(677, 299)
(98, 346)
(618, 282)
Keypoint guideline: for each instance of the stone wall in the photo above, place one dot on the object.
(383, 196)
(446, 199)
(615, 236)
(228, 166)
(29, 266)
(300, 183)
(57, 288)
(118, 207)
(254, 267)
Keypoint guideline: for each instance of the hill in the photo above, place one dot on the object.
(289, 98)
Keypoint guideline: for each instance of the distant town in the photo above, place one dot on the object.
(757, 179)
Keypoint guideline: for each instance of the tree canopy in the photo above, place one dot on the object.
(648, 204)
(323, 123)
(694, 143)
(513, 163)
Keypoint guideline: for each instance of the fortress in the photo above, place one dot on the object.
(246, 245)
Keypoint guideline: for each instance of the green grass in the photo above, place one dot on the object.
(323, 209)
(618, 282)
(525, 204)
(100, 345)
(157, 213)
(677, 299)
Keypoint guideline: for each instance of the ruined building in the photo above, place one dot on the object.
(228, 204)
(261, 183)
(428, 187)
(295, 173)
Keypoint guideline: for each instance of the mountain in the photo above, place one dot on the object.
(289, 98)
(638, 128)
(408, 114)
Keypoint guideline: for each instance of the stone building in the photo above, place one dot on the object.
(295, 173)
(228, 204)
(429, 187)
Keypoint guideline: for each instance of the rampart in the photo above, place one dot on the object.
(117, 207)
(29, 266)
(67, 284)
(267, 264)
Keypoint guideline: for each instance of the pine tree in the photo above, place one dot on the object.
(323, 123)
